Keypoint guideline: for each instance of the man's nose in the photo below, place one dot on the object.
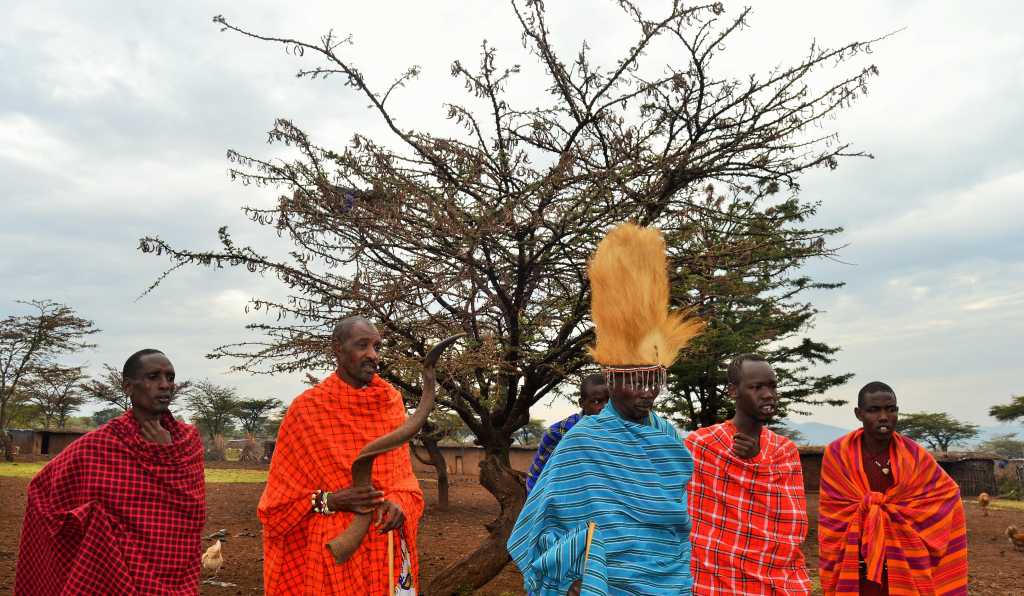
(373, 354)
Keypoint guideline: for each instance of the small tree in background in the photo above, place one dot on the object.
(213, 408)
(936, 429)
(253, 414)
(1006, 445)
(530, 435)
(32, 342)
(101, 417)
(57, 390)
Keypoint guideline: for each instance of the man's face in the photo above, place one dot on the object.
(152, 389)
(593, 398)
(757, 392)
(879, 414)
(632, 402)
(357, 355)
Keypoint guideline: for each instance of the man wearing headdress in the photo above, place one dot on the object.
(891, 520)
(747, 495)
(593, 397)
(624, 470)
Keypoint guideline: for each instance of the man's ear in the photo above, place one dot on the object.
(856, 412)
(731, 388)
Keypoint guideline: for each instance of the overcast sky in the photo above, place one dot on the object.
(115, 118)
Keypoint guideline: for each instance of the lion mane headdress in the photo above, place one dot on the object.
(637, 334)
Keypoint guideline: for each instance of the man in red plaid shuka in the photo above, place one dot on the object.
(747, 496)
(120, 510)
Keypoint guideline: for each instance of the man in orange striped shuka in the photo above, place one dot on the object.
(309, 498)
(891, 521)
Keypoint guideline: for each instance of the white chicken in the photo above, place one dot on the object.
(213, 558)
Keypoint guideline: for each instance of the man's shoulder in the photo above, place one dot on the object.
(563, 425)
(705, 434)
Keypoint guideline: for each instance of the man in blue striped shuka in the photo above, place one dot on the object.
(626, 469)
(593, 397)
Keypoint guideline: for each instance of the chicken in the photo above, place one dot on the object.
(984, 500)
(1016, 538)
(213, 558)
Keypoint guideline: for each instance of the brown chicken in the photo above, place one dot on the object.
(1016, 538)
(213, 558)
(984, 500)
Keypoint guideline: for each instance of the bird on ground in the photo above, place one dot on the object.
(213, 558)
(1016, 538)
(984, 500)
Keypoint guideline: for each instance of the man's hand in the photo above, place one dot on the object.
(574, 589)
(355, 499)
(389, 516)
(153, 432)
(744, 446)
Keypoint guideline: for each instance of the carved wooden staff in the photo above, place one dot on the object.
(351, 537)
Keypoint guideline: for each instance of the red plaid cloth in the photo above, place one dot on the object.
(116, 514)
(749, 516)
(319, 438)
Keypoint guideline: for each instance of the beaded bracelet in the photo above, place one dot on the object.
(319, 502)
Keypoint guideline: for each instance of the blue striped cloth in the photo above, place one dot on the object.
(547, 446)
(631, 480)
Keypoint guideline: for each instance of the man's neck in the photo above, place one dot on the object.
(353, 383)
(877, 445)
(141, 416)
(747, 425)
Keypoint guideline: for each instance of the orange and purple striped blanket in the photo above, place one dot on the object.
(916, 528)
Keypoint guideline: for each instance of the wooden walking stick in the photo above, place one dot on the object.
(391, 563)
(346, 543)
(591, 526)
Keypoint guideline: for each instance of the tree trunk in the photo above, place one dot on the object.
(440, 467)
(487, 561)
(5, 440)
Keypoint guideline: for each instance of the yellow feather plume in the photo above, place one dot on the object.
(629, 301)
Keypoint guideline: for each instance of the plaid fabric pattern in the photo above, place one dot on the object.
(548, 443)
(320, 436)
(749, 516)
(916, 528)
(116, 514)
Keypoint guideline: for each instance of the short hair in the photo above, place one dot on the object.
(872, 387)
(344, 327)
(594, 380)
(133, 365)
(735, 370)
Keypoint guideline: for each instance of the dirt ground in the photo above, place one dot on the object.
(996, 569)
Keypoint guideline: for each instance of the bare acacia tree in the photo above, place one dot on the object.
(488, 231)
(32, 342)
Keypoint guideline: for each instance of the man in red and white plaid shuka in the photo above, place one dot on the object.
(120, 511)
(747, 496)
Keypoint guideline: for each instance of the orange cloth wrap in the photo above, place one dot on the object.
(320, 437)
(917, 527)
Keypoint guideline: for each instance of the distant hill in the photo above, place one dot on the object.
(816, 433)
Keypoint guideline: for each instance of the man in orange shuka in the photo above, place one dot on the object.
(309, 499)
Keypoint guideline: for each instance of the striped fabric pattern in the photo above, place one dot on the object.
(916, 528)
(749, 516)
(628, 478)
(548, 443)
